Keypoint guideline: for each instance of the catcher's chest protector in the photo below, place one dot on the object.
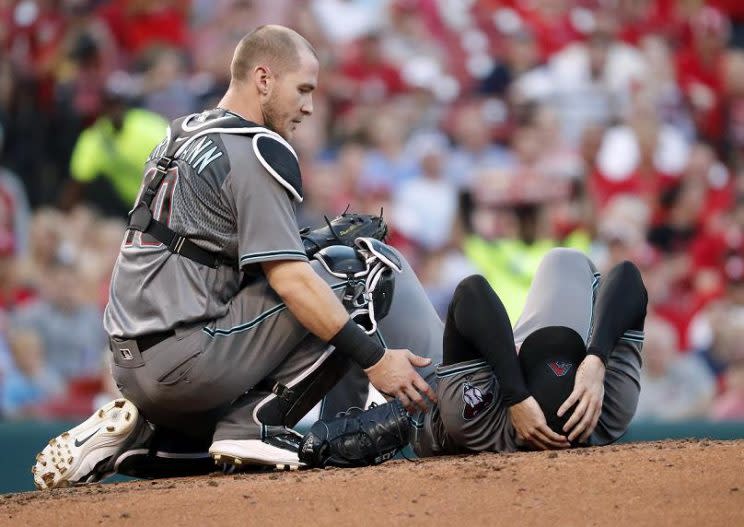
(273, 152)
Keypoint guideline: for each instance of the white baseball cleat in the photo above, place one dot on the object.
(278, 448)
(73, 457)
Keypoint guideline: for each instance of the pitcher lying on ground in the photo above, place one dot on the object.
(568, 375)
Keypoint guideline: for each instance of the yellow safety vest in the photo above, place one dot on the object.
(118, 156)
(509, 265)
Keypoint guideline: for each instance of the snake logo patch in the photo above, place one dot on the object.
(475, 399)
(560, 368)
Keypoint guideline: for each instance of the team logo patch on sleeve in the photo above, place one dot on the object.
(560, 368)
(476, 400)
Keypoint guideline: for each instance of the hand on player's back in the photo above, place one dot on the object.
(589, 393)
(394, 375)
(530, 424)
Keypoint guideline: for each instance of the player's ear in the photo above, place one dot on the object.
(263, 78)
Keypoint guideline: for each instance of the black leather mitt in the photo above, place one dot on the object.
(357, 438)
(343, 230)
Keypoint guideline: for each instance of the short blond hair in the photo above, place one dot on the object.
(276, 46)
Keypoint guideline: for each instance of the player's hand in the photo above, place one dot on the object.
(529, 423)
(394, 375)
(589, 393)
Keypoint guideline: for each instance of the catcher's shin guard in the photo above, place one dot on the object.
(357, 438)
(290, 399)
(276, 405)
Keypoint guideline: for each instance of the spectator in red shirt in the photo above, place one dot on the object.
(551, 21)
(735, 106)
(138, 24)
(639, 18)
(366, 77)
(642, 156)
(700, 70)
(32, 33)
(716, 255)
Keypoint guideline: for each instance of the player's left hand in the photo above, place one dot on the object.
(589, 393)
(531, 427)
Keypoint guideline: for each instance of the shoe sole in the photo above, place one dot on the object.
(73, 455)
(252, 453)
(241, 462)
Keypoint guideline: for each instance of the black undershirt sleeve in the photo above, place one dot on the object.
(478, 327)
(620, 306)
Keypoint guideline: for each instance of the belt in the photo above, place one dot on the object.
(146, 342)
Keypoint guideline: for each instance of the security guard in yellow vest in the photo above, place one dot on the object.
(113, 151)
(509, 264)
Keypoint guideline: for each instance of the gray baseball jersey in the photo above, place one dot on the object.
(235, 342)
(470, 415)
(223, 198)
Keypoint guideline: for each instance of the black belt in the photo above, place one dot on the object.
(146, 342)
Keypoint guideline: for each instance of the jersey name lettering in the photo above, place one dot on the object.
(159, 150)
(199, 154)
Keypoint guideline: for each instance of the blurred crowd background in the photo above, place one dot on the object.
(487, 131)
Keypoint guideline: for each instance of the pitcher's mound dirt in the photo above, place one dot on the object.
(671, 483)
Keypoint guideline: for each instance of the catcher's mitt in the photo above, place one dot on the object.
(357, 438)
(343, 230)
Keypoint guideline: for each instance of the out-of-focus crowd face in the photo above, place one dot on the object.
(482, 129)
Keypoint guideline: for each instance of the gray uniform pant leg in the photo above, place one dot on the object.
(470, 416)
(412, 323)
(199, 379)
(562, 294)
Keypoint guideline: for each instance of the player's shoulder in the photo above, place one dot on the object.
(268, 150)
(196, 134)
(279, 159)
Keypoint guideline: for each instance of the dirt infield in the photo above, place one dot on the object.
(665, 483)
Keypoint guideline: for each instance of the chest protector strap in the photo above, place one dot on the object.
(141, 219)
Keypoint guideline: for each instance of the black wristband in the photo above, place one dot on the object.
(356, 344)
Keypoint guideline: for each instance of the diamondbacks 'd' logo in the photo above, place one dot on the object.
(560, 368)
(476, 401)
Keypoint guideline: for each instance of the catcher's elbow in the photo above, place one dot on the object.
(289, 277)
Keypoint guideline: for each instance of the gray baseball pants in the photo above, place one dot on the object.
(257, 365)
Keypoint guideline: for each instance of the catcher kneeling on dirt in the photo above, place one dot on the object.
(223, 332)
(136, 438)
